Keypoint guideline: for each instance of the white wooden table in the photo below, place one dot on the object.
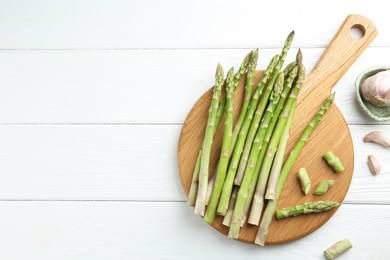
(92, 98)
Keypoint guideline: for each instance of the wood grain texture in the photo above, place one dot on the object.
(78, 24)
(333, 134)
(98, 87)
(61, 230)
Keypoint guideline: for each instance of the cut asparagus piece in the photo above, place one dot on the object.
(307, 208)
(278, 161)
(304, 180)
(323, 187)
(258, 199)
(260, 111)
(334, 162)
(225, 151)
(268, 134)
(244, 188)
(228, 185)
(200, 203)
(251, 66)
(337, 249)
(289, 163)
(228, 216)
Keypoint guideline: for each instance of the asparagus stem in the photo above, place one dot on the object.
(307, 208)
(278, 161)
(228, 216)
(292, 75)
(207, 143)
(268, 134)
(258, 199)
(293, 156)
(221, 110)
(228, 185)
(244, 188)
(337, 249)
(323, 187)
(225, 151)
(304, 180)
(334, 162)
(260, 110)
(251, 66)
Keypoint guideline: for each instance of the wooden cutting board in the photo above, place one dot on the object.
(331, 134)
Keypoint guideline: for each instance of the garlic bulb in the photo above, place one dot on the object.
(376, 89)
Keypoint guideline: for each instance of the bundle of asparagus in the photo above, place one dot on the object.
(254, 148)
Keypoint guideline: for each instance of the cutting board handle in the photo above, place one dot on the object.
(340, 54)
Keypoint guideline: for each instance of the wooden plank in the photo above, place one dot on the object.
(100, 86)
(136, 230)
(47, 24)
(129, 162)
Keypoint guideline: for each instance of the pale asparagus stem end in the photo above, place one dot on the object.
(337, 249)
(219, 174)
(228, 216)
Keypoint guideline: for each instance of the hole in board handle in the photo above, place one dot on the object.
(357, 31)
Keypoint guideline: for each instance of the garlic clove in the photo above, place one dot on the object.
(376, 89)
(379, 138)
(373, 164)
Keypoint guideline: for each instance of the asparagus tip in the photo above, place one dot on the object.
(219, 72)
(291, 36)
(299, 56)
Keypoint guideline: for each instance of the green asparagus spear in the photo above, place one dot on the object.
(293, 156)
(247, 95)
(307, 208)
(243, 191)
(221, 109)
(278, 161)
(259, 112)
(267, 137)
(227, 188)
(258, 199)
(225, 151)
(207, 142)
